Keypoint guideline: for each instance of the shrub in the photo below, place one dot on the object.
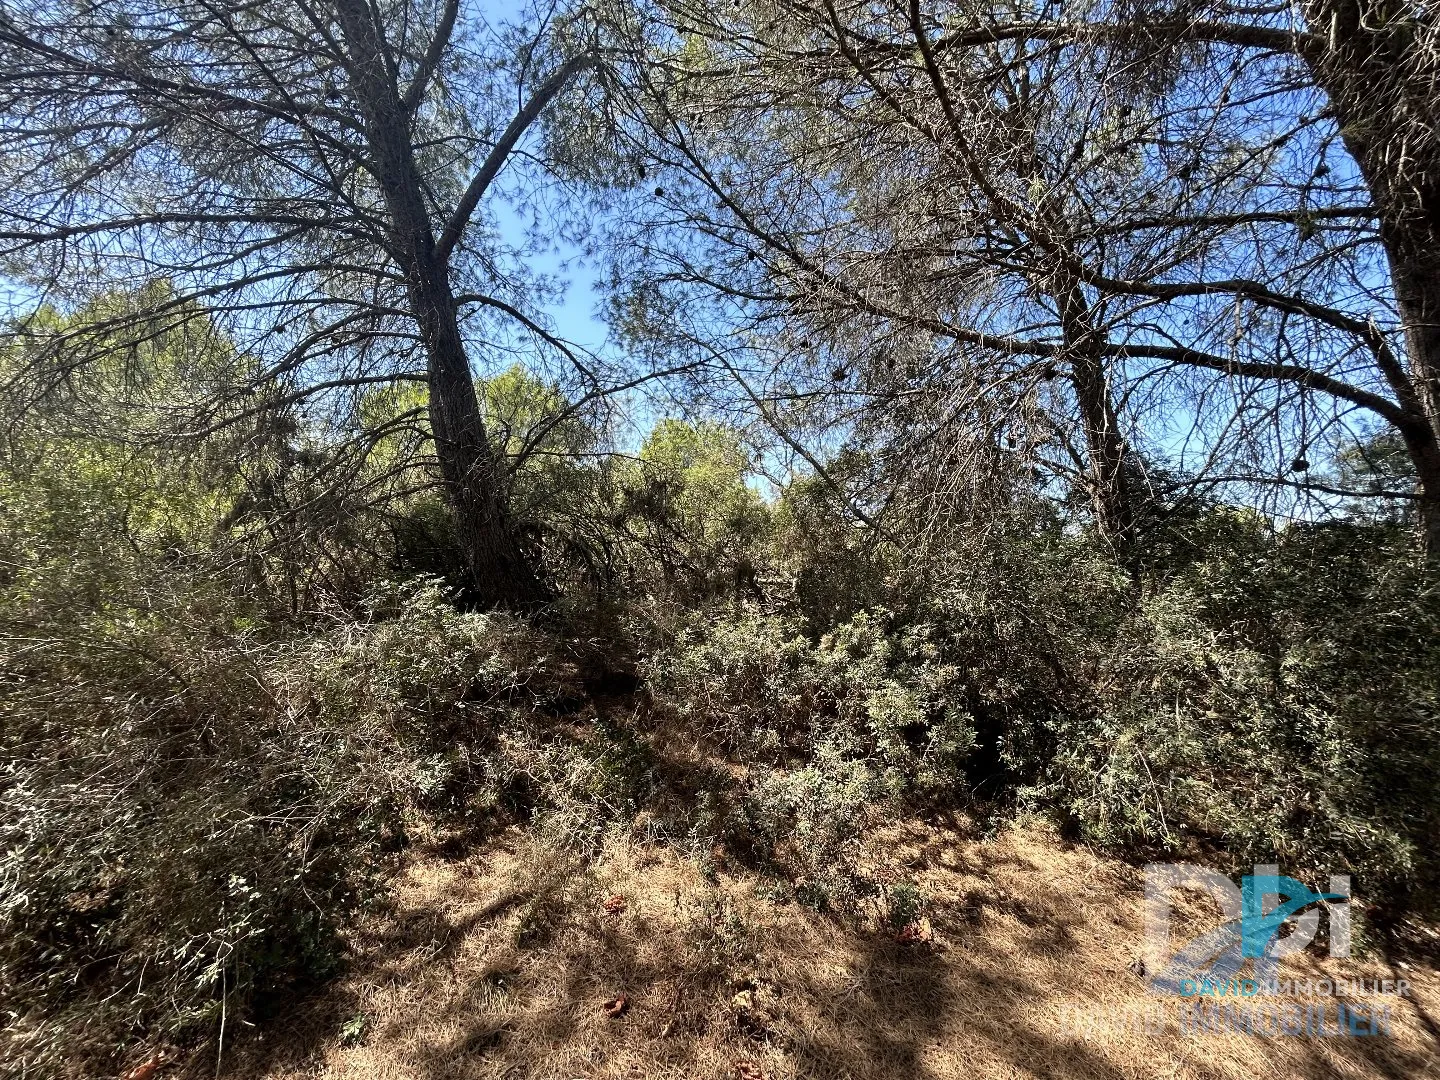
(1275, 698)
(868, 719)
(1270, 696)
(869, 690)
(191, 809)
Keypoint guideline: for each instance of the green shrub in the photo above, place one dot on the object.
(811, 820)
(1275, 698)
(1271, 696)
(189, 810)
(869, 719)
(906, 905)
(869, 690)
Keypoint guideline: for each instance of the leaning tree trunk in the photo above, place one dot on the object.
(500, 572)
(501, 575)
(1381, 77)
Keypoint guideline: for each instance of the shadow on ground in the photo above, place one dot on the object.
(501, 965)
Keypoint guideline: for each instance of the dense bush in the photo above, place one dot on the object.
(869, 689)
(189, 808)
(1271, 696)
(1277, 697)
(867, 721)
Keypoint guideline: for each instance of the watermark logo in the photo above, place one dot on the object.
(1264, 918)
(1226, 979)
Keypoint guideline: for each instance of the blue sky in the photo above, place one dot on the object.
(576, 318)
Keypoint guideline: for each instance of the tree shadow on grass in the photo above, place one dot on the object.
(509, 983)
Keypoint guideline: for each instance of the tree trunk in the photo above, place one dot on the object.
(1419, 302)
(1385, 103)
(1109, 483)
(500, 572)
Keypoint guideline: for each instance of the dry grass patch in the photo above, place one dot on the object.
(523, 962)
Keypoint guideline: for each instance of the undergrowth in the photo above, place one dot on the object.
(196, 799)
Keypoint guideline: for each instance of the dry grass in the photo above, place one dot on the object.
(500, 964)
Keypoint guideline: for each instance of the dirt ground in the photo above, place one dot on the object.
(514, 961)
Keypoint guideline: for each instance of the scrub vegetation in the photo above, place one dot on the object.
(1013, 456)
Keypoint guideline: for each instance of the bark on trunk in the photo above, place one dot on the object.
(1420, 310)
(1385, 104)
(501, 573)
(1110, 491)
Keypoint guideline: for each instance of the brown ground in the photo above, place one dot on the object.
(499, 963)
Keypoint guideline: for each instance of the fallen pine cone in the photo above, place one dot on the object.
(615, 906)
(146, 1071)
(616, 1006)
